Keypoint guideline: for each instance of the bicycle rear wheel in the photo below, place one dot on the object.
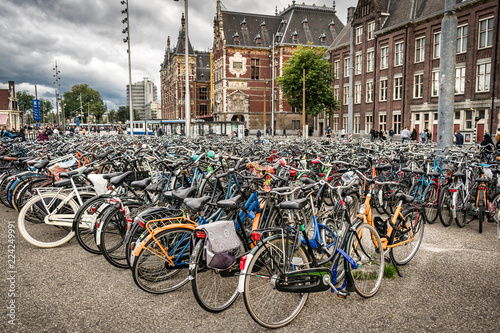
(412, 226)
(365, 248)
(445, 210)
(462, 208)
(153, 273)
(431, 199)
(265, 304)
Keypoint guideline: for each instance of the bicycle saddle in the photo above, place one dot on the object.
(118, 180)
(419, 171)
(111, 175)
(142, 184)
(404, 197)
(41, 164)
(182, 194)
(294, 204)
(196, 204)
(231, 203)
(433, 174)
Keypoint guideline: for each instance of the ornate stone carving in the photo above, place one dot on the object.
(238, 102)
(237, 64)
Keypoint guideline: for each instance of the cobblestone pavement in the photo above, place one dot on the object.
(451, 285)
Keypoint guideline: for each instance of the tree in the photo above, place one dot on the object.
(319, 91)
(25, 101)
(91, 102)
(123, 114)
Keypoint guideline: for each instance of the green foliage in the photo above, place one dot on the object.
(390, 271)
(123, 114)
(25, 101)
(91, 102)
(319, 91)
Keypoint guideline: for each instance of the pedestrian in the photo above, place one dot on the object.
(405, 135)
(342, 134)
(423, 135)
(284, 132)
(429, 136)
(56, 132)
(159, 132)
(497, 138)
(6, 134)
(459, 139)
(258, 134)
(84, 131)
(246, 131)
(382, 134)
(391, 134)
(22, 134)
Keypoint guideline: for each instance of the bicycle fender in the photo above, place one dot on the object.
(142, 244)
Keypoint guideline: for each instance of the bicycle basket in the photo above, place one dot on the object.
(221, 244)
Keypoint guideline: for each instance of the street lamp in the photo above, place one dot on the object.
(127, 40)
(187, 100)
(56, 82)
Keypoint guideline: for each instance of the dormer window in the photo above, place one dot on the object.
(304, 23)
(236, 38)
(331, 25)
(243, 24)
(295, 36)
(283, 24)
(322, 38)
(278, 37)
(263, 25)
(257, 39)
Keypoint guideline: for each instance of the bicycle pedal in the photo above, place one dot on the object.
(342, 294)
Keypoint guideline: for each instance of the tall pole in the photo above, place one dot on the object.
(127, 40)
(447, 64)
(272, 88)
(304, 126)
(350, 101)
(265, 120)
(187, 100)
(57, 92)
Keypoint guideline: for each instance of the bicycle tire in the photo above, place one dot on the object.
(480, 217)
(461, 209)
(430, 197)
(37, 229)
(445, 210)
(366, 250)
(152, 273)
(262, 300)
(413, 223)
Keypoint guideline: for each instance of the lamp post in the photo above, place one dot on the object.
(187, 100)
(56, 75)
(127, 40)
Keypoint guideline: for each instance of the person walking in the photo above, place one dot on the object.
(259, 134)
(284, 132)
(423, 135)
(405, 135)
(459, 139)
(391, 134)
(342, 134)
(414, 135)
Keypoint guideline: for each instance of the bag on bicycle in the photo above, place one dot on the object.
(380, 225)
(221, 244)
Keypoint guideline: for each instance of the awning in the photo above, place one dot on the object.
(3, 119)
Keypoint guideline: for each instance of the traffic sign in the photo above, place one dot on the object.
(37, 111)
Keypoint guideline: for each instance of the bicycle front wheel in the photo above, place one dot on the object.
(265, 304)
(408, 233)
(445, 207)
(57, 230)
(152, 271)
(431, 201)
(365, 248)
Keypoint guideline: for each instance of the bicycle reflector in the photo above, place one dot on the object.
(315, 161)
(243, 261)
(256, 236)
(200, 234)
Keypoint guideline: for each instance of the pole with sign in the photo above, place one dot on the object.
(37, 111)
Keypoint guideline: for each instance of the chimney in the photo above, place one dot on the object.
(350, 14)
(12, 96)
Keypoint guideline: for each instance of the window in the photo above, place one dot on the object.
(468, 119)
(346, 67)
(457, 115)
(369, 92)
(396, 123)
(418, 87)
(359, 63)
(368, 124)
(480, 114)
(371, 30)
(336, 123)
(369, 61)
(203, 92)
(483, 77)
(384, 57)
(336, 68)
(462, 39)
(336, 93)
(435, 84)
(359, 35)
(356, 125)
(426, 117)
(420, 49)
(486, 33)
(437, 44)
(398, 60)
(357, 93)
(382, 121)
(346, 95)
(417, 117)
(203, 110)
(383, 90)
(295, 124)
(435, 116)
(344, 122)
(254, 71)
(398, 88)
(459, 80)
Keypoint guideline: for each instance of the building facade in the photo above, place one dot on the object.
(249, 52)
(172, 76)
(10, 116)
(396, 59)
(143, 93)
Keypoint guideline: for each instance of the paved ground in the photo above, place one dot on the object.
(451, 285)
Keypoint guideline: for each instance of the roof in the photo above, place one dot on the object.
(342, 38)
(203, 66)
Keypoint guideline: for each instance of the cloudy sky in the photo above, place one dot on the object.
(85, 38)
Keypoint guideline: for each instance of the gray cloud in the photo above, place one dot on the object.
(85, 38)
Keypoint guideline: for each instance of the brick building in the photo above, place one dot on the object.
(249, 52)
(172, 77)
(396, 66)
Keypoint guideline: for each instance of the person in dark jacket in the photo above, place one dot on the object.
(459, 139)
(42, 136)
(258, 134)
(22, 135)
(414, 135)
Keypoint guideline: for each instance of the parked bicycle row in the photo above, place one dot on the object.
(273, 222)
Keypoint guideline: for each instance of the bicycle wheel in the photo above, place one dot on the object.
(37, 231)
(265, 304)
(431, 199)
(480, 217)
(365, 248)
(445, 205)
(462, 208)
(215, 290)
(153, 273)
(404, 230)
(329, 231)
(113, 228)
